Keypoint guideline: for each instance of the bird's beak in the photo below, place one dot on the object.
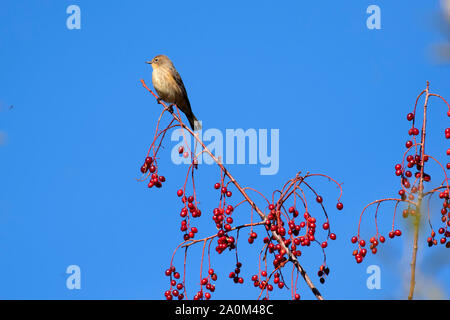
(149, 62)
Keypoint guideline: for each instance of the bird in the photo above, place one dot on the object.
(170, 88)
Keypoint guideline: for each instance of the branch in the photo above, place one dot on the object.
(263, 217)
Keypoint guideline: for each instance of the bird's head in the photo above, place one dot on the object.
(159, 60)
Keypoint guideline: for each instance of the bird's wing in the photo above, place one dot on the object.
(179, 81)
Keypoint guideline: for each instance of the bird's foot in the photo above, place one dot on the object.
(158, 100)
(170, 108)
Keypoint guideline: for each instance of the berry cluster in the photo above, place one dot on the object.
(188, 207)
(288, 231)
(445, 219)
(151, 169)
(322, 273)
(177, 287)
(235, 275)
(275, 224)
(208, 286)
(374, 241)
(264, 284)
(223, 220)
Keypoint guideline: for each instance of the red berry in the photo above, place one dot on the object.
(340, 206)
(148, 160)
(319, 199)
(410, 116)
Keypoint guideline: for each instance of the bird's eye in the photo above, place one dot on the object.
(156, 59)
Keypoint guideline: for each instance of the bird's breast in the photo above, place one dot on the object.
(165, 85)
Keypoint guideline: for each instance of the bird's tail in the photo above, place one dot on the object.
(193, 122)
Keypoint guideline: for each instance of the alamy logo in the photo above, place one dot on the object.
(374, 20)
(235, 144)
(374, 280)
(74, 20)
(73, 281)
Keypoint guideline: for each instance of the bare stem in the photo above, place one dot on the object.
(414, 255)
(412, 283)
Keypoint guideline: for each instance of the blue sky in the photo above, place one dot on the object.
(81, 124)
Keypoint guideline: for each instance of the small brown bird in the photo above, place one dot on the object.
(170, 88)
